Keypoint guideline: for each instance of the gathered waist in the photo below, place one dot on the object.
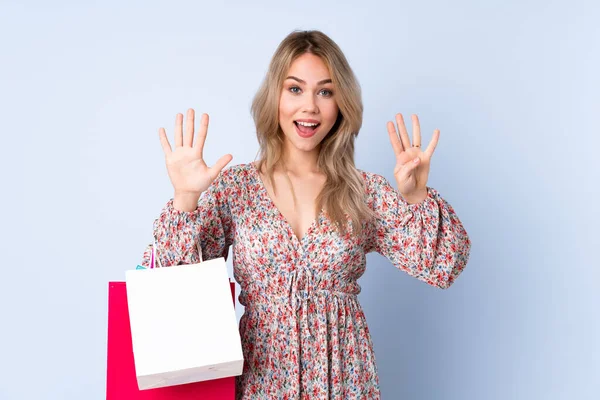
(298, 302)
(294, 298)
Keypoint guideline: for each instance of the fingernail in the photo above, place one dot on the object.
(416, 160)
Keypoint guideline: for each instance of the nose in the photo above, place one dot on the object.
(310, 104)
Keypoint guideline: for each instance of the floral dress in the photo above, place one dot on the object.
(304, 334)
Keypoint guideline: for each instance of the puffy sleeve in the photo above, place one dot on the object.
(426, 240)
(188, 237)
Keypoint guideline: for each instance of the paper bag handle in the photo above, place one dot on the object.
(154, 259)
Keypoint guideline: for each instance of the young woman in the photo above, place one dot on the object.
(301, 220)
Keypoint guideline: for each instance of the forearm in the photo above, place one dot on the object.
(441, 244)
(176, 234)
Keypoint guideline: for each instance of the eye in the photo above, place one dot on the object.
(327, 92)
(293, 89)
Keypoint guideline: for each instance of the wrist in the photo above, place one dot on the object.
(417, 197)
(185, 201)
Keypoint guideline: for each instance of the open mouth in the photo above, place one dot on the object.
(306, 129)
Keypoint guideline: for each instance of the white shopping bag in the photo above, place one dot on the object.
(183, 324)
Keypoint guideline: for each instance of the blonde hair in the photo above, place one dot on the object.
(343, 195)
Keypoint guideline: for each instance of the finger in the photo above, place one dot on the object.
(166, 146)
(396, 144)
(403, 132)
(219, 165)
(189, 128)
(416, 131)
(179, 130)
(433, 143)
(202, 132)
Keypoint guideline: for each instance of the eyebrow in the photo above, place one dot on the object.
(324, 81)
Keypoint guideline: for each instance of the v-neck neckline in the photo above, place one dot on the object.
(282, 217)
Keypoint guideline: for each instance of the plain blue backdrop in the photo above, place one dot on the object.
(512, 85)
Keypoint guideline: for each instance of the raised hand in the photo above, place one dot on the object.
(412, 164)
(188, 172)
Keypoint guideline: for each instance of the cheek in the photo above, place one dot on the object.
(286, 107)
(331, 110)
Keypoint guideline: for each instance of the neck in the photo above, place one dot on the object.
(300, 162)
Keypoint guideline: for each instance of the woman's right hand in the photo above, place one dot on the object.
(189, 174)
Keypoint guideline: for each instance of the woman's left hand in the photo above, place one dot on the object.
(412, 164)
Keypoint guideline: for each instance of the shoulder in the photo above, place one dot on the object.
(375, 183)
(236, 178)
(236, 173)
(379, 193)
(233, 183)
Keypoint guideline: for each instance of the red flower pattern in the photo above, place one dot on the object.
(304, 333)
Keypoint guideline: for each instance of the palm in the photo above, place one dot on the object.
(411, 180)
(185, 165)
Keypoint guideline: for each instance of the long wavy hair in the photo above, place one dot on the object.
(343, 195)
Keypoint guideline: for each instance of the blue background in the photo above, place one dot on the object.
(512, 85)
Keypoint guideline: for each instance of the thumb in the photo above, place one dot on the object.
(409, 167)
(219, 165)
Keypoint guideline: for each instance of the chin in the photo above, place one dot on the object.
(306, 145)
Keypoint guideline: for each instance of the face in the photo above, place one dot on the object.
(307, 106)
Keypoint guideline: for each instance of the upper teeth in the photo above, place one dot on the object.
(307, 123)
